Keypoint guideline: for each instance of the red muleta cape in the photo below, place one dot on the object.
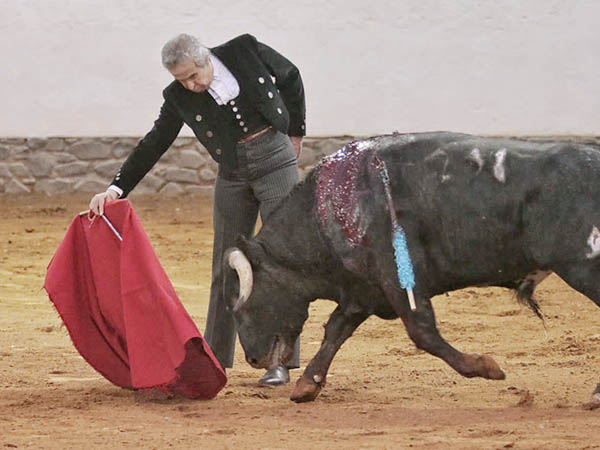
(122, 312)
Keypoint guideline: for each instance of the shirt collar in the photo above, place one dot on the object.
(224, 87)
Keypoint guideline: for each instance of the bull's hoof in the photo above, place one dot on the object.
(596, 395)
(306, 390)
(483, 366)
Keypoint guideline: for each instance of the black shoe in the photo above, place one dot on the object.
(596, 396)
(275, 376)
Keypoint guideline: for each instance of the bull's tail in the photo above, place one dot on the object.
(524, 293)
(524, 289)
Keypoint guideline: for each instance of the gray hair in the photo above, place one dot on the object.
(184, 48)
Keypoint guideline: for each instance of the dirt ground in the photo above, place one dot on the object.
(382, 392)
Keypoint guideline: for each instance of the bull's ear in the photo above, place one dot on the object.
(241, 242)
(252, 249)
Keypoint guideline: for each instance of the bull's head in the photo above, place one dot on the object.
(266, 299)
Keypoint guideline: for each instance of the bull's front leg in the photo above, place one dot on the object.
(339, 327)
(421, 328)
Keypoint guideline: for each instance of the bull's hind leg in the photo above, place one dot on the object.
(339, 327)
(421, 328)
(584, 278)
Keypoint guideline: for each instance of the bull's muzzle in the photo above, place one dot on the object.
(279, 354)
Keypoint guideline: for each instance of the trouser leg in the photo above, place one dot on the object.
(269, 190)
(235, 212)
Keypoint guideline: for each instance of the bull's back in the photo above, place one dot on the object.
(484, 210)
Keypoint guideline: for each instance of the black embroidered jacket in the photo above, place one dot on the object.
(268, 79)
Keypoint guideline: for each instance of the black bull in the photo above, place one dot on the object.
(475, 211)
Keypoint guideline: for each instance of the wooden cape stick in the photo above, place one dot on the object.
(108, 222)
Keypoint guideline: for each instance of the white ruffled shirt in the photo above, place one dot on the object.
(224, 87)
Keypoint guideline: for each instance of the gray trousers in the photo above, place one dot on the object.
(267, 171)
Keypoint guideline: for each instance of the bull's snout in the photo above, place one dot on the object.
(278, 354)
(253, 362)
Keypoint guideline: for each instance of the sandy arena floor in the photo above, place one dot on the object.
(381, 392)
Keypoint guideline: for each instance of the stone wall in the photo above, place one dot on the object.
(65, 165)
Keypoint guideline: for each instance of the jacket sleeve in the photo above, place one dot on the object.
(289, 82)
(149, 150)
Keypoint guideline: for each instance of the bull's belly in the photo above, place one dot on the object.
(498, 278)
(374, 301)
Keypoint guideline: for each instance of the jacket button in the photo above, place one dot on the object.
(261, 80)
(270, 94)
(241, 123)
(234, 109)
(198, 118)
(209, 133)
(279, 111)
(232, 102)
(245, 129)
(218, 151)
(238, 116)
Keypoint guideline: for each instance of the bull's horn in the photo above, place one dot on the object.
(238, 261)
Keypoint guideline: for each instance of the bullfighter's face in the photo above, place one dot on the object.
(192, 77)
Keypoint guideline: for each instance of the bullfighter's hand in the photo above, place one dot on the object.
(297, 143)
(99, 200)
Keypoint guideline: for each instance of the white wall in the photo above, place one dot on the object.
(92, 67)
